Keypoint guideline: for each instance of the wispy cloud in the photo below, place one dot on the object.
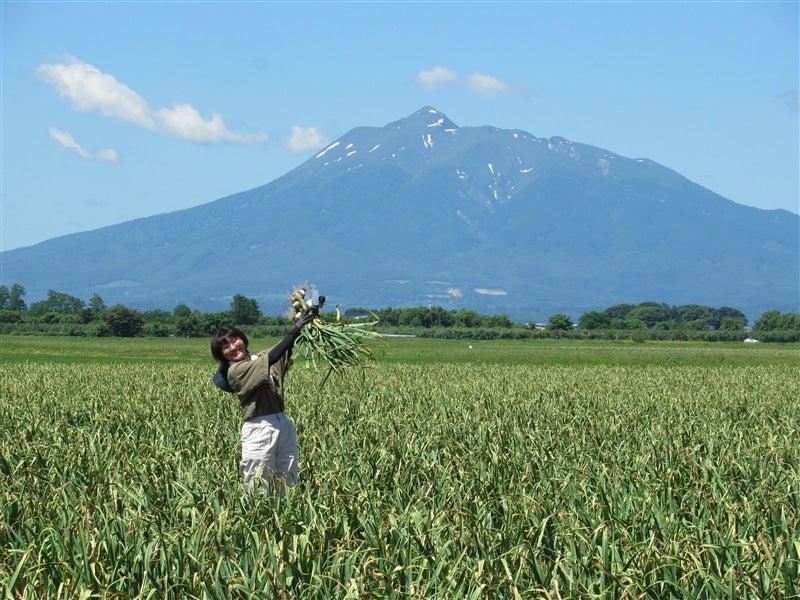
(477, 83)
(65, 139)
(302, 139)
(436, 77)
(183, 121)
(481, 83)
(91, 90)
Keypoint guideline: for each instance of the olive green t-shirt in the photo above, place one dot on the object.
(258, 384)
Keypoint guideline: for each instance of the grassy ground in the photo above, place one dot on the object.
(508, 469)
(415, 351)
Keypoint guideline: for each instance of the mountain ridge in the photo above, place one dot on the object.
(478, 217)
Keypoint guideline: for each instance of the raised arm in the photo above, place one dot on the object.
(289, 339)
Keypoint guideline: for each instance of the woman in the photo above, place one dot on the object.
(269, 438)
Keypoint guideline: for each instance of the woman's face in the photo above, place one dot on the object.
(233, 349)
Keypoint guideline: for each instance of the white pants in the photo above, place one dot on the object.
(269, 453)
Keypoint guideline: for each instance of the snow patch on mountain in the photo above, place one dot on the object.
(331, 147)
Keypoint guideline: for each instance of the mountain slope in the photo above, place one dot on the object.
(422, 211)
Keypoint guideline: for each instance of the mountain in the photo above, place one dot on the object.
(422, 212)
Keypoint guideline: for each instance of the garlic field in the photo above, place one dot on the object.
(655, 473)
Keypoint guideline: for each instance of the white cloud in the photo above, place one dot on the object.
(478, 83)
(485, 84)
(183, 121)
(65, 139)
(91, 90)
(303, 139)
(106, 155)
(436, 77)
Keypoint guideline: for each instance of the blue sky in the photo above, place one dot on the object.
(113, 111)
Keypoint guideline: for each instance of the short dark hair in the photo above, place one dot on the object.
(218, 339)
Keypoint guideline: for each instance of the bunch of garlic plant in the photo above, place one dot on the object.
(333, 343)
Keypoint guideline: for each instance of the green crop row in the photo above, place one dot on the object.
(431, 480)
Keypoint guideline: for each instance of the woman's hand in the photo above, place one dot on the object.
(309, 314)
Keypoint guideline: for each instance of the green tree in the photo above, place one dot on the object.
(619, 311)
(594, 320)
(97, 305)
(773, 320)
(790, 321)
(210, 322)
(190, 326)
(501, 321)
(12, 299)
(732, 324)
(423, 316)
(650, 313)
(157, 315)
(10, 316)
(417, 316)
(467, 318)
(182, 311)
(387, 316)
(58, 302)
(157, 329)
(719, 315)
(559, 322)
(695, 325)
(4, 297)
(158, 323)
(49, 318)
(123, 321)
(693, 312)
(632, 323)
(442, 318)
(244, 310)
(768, 321)
(617, 323)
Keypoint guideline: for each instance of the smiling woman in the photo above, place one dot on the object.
(269, 439)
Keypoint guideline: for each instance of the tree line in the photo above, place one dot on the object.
(63, 314)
